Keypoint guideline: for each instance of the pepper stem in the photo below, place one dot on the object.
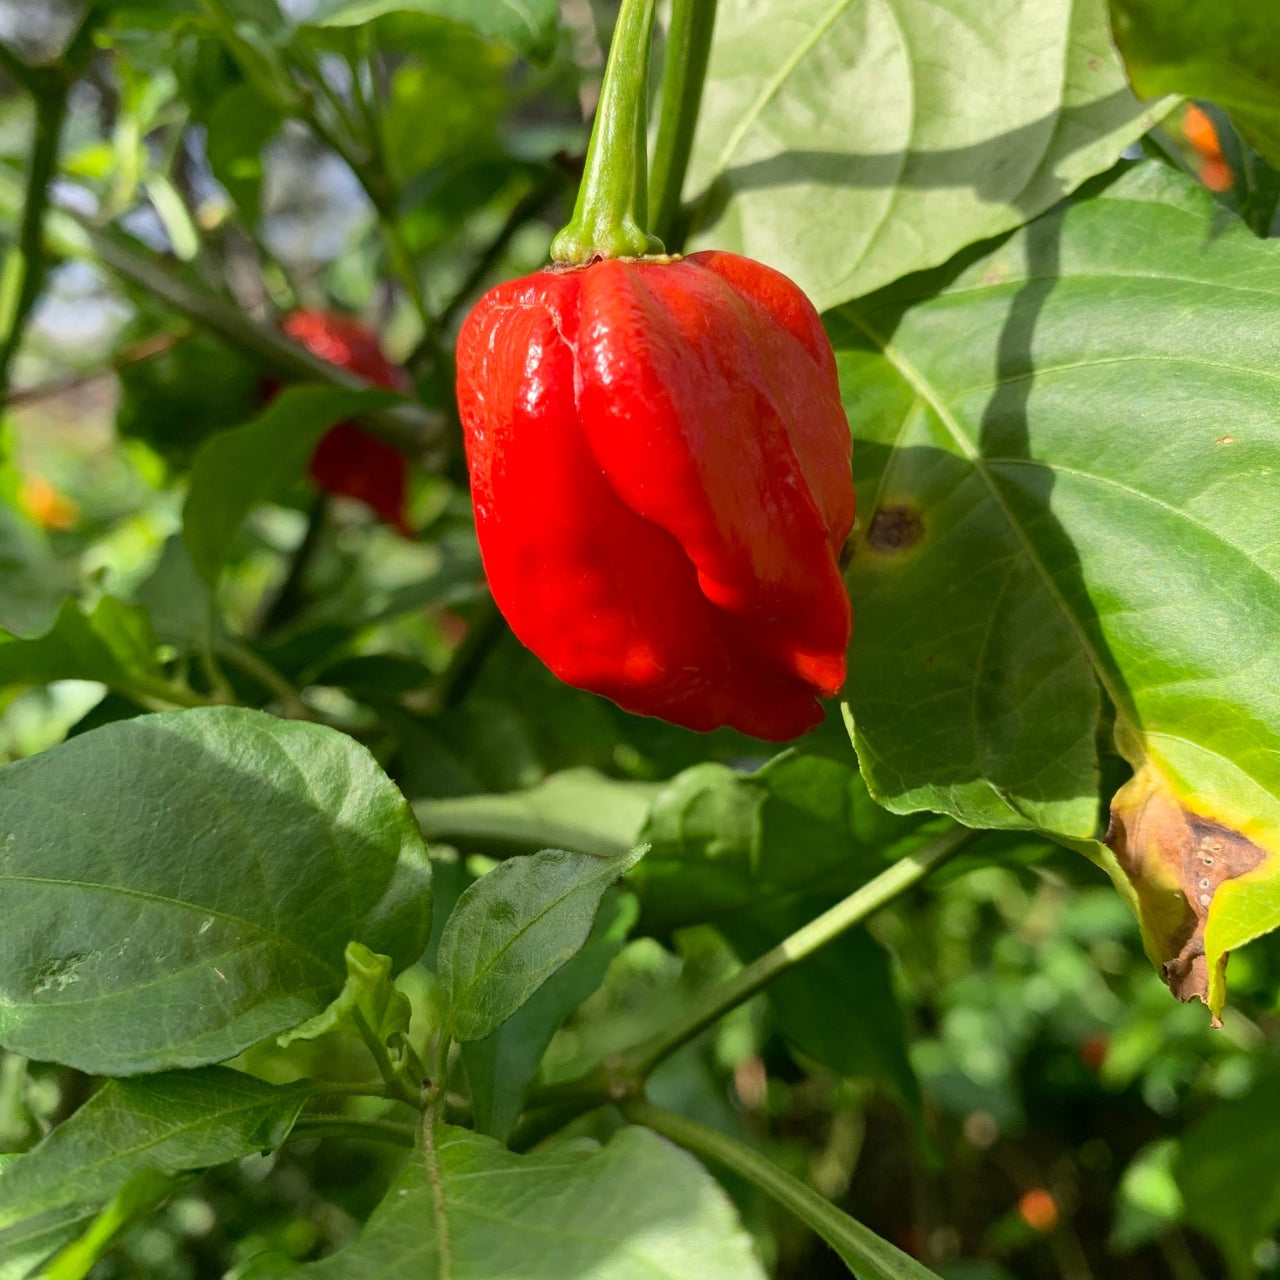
(688, 47)
(611, 214)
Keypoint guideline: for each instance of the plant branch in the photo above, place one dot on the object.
(621, 1077)
(351, 1089)
(261, 671)
(25, 265)
(411, 427)
(688, 47)
(525, 209)
(859, 1246)
(289, 598)
(395, 1082)
(716, 1002)
(339, 1126)
(468, 659)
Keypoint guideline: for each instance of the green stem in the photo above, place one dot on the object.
(153, 689)
(324, 1126)
(24, 267)
(257, 668)
(865, 1252)
(386, 1068)
(412, 428)
(291, 595)
(685, 70)
(611, 215)
(621, 1077)
(351, 1089)
(716, 1002)
(525, 209)
(487, 628)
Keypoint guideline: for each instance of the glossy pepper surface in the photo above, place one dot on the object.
(660, 469)
(348, 461)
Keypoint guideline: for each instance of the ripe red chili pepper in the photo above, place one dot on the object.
(349, 461)
(660, 471)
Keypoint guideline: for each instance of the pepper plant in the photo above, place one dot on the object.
(342, 937)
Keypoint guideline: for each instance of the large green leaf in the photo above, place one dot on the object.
(636, 1209)
(235, 470)
(1224, 50)
(167, 1124)
(724, 841)
(501, 1067)
(848, 143)
(529, 25)
(1066, 458)
(179, 886)
(513, 928)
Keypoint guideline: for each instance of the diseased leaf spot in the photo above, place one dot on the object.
(1176, 860)
(895, 528)
(59, 972)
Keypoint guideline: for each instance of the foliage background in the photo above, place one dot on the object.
(996, 1035)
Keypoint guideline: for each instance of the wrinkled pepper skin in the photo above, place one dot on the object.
(660, 469)
(348, 461)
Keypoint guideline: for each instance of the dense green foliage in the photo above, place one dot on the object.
(338, 937)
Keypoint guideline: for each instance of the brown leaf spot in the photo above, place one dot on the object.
(895, 528)
(1225, 440)
(1175, 860)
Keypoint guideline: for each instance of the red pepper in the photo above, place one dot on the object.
(660, 469)
(349, 461)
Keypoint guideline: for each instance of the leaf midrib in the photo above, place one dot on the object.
(157, 898)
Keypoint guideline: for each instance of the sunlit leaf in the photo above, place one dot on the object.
(1066, 459)
(635, 1209)
(847, 144)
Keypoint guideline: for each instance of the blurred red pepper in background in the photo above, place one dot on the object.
(348, 461)
(660, 469)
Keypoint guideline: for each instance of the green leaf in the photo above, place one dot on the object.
(176, 599)
(723, 841)
(32, 582)
(531, 26)
(1064, 448)
(239, 128)
(113, 644)
(140, 1196)
(179, 396)
(513, 928)
(847, 144)
(367, 995)
(235, 470)
(838, 1006)
(501, 1067)
(635, 1209)
(456, 80)
(865, 1254)
(1225, 50)
(578, 809)
(179, 886)
(1218, 1168)
(162, 1124)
